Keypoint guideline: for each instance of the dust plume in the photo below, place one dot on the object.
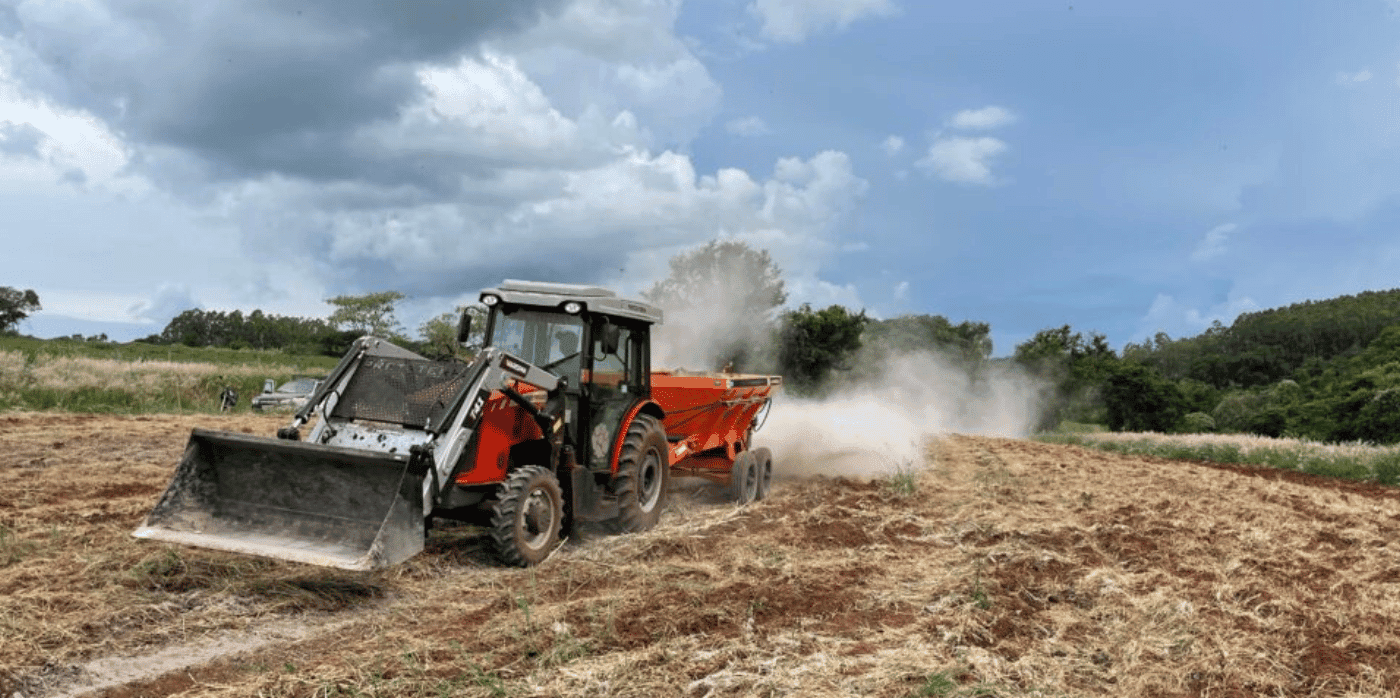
(880, 425)
(720, 301)
(716, 331)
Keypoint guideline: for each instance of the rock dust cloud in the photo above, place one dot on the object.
(877, 427)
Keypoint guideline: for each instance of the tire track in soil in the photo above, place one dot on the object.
(179, 667)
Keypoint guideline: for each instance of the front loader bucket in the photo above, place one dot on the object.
(322, 505)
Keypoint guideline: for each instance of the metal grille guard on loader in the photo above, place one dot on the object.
(355, 494)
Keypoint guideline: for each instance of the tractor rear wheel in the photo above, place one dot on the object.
(526, 516)
(763, 462)
(743, 478)
(643, 475)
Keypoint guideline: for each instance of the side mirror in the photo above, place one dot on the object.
(611, 337)
(464, 328)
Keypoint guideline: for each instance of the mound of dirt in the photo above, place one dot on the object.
(1008, 568)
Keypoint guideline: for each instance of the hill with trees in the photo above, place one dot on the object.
(1327, 370)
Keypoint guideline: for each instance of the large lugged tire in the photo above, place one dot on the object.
(743, 478)
(526, 516)
(643, 475)
(763, 463)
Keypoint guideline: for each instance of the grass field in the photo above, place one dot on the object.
(1349, 461)
(137, 378)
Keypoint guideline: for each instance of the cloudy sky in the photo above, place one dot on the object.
(1125, 167)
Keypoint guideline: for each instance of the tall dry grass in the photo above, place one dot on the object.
(84, 384)
(1351, 461)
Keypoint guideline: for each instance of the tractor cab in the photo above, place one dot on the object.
(597, 343)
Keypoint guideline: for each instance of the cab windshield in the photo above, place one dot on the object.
(550, 340)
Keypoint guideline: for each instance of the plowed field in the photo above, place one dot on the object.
(1013, 568)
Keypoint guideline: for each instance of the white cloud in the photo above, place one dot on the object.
(963, 159)
(59, 144)
(1214, 243)
(555, 152)
(792, 21)
(901, 292)
(1360, 76)
(587, 189)
(168, 301)
(748, 126)
(89, 305)
(892, 145)
(620, 55)
(986, 118)
(794, 214)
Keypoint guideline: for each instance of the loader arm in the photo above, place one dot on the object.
(492, 370)
(392, 427)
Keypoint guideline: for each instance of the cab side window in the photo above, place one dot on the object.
(610, 371)
(611, 392)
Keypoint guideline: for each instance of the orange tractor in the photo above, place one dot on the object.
(559, 419)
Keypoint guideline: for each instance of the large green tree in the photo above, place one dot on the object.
(813, 344)
(1138, 398)
(439, 334)
(369, 313)
(969, 343)
(1073, 369)
(727, 273)
(16, 305)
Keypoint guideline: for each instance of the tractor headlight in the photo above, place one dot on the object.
(573, 307)
(490, 299)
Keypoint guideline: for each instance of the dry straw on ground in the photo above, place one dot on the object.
(1013, 568)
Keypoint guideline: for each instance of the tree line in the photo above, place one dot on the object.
(353, 316)
(1325, 370)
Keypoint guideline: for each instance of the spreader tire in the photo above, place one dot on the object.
(763, 462)
(743, 478)
(526, 516)
(643, 476)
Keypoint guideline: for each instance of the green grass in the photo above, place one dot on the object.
(78, 376)
(140, 351)
(12, 549)
(958, 682)
(904, 481)
(1351, 461)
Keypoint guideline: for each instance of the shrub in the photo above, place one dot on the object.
(1387, 468)
(1138, 398)
(1344, 468)
(1198, 423)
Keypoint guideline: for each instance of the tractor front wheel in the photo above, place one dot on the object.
(526, 516)
(643, 474)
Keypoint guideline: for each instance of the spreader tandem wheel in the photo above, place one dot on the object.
(743, 478)
(763, 464)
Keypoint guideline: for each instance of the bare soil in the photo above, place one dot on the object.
(1014, 568)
